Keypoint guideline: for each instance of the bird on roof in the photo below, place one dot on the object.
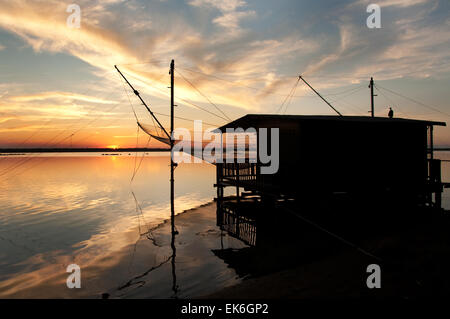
(391, 113)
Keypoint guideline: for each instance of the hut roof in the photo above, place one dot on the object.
(255, 120)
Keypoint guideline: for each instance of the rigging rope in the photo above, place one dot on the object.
(202, 109)
(415, 101)
(181, 99)
(260, 89)
(44, 159)
(287, 96)
(390, 100)
(186, 119)
(351, 105)
(128, 96)
(191, 84)
(39, 130)
(290, 98)
(25, 160)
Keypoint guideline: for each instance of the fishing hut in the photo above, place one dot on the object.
(320, 157)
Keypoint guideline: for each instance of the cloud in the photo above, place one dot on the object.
(66, 96)
(22, 128)
(124, 136)
(414, 46)
(4, 118)
(395, 3)
(231, 17)
(102, 43)
(231, 20)
(222, 5)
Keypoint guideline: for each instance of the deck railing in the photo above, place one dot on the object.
(240, 171)
(246, 175)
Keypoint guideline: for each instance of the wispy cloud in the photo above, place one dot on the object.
(415, 46)
(232, 12)
(395, 3)
(66, 96)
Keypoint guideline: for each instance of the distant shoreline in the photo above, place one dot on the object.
(79, 150)
(104, 150)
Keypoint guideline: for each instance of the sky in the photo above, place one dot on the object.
(59, 87)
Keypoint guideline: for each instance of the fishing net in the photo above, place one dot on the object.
(154, 132)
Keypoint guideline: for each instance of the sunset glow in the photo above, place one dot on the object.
(243, 57)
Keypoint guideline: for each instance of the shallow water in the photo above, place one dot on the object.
(72, 208)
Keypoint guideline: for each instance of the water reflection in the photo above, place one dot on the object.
(84, 210)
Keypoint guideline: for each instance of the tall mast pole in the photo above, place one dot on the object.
(172, 164)
(172, 181)
(172, 98)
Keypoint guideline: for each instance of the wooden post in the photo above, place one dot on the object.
(172, 181)
(438, 193)
(236, 165)
(219, 212)
(431, 143)
(258, 180)
(172, 164)
(372, 106)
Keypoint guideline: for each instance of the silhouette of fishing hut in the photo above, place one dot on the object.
(320, 157)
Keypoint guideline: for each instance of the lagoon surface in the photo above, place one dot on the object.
(56, 210)
(85, 209)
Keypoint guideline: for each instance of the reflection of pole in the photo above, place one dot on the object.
(174, 252)
(172, 186)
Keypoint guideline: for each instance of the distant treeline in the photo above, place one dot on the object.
(73, 150)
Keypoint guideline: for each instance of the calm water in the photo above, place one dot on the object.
(79, 208)
(74, 208)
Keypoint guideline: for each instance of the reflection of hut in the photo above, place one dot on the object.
(326, 155)
(236, 224)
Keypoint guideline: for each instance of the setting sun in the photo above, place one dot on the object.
(114, 147)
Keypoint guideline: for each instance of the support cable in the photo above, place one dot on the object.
(301, 78)
(207, 98)
(415, 101)
(287, 96)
